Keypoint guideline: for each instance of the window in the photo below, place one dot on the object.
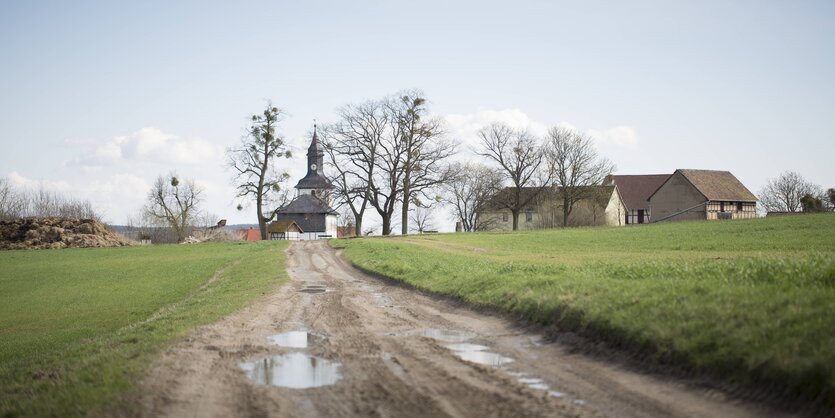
(739, 206)
(528, 216)
(504, 217)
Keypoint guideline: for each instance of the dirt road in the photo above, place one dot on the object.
(336, 342)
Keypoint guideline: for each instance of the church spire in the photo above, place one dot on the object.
(315, 178)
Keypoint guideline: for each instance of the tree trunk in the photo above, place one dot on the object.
(358, 224)
(262, 223)
(566, 210)
(387, 225)
(515, 214)
(404, 223)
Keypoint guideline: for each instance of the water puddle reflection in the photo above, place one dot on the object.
(293, 370)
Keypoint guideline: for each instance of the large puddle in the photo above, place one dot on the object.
(293, 370)
(293, 339)
(478, 354)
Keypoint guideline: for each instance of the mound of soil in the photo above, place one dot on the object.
(40, 233)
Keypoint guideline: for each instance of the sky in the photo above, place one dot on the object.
(97, 99)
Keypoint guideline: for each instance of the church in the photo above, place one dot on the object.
(310, 213)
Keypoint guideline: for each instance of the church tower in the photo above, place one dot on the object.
(315, 183)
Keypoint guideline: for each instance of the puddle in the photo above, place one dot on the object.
(445, 335)
(313, 290)
(293, 339)
(534, 383)
(475, 353)
(293, 370)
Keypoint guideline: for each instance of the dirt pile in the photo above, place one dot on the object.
(41, 233)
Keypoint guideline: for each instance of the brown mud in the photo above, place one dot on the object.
(337, 342)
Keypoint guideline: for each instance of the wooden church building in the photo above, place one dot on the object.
(310, 212)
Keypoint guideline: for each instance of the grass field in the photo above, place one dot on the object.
(77, 326)
(751, 302)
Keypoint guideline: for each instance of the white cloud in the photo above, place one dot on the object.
(19, 181)
(465, 127)
(619, 136)
(152, 145)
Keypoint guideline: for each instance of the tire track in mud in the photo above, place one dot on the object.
(392, 346)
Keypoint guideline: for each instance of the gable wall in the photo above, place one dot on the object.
(676, 195)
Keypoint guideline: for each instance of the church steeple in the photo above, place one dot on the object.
(314, 182)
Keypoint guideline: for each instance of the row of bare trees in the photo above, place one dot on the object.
(388, 154)
(564, 158)
(18, 202)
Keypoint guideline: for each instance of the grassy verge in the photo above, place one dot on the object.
(78, 326)
(751, 301)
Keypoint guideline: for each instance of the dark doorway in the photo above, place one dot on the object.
(640, 216)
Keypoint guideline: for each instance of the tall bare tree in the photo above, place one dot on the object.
(469, 192)
(520, 157)
(784, 193)
(253, 163)
(351, 145)
(426, 150)
(174, 203)
(573, 160)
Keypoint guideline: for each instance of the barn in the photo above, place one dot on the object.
(702, 194)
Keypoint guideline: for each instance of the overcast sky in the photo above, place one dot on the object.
(98, 98)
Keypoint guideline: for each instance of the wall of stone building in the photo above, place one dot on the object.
(549, 215)
(677, 200)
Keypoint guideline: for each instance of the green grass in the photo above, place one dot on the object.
(78, 326)
(751, 301)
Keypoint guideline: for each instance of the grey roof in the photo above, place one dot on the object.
(306, 203)
(314, 180)
(308, 211)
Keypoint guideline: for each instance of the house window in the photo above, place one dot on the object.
(739, 206)
(528, 216)
(504, 217)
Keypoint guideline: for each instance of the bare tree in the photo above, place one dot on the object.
(469, 192)
(425, 151)
(12, 202)
(43, 203)
(520, 157)
(174, 203)
(574, 162)
(351, 145)
(421, 218)
(784, 194)
(253, 163)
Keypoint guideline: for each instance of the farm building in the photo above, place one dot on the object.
(284, 230)
(602, 205)
(311, 210)
(702, 194)
(636, 190)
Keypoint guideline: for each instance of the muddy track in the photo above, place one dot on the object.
(381, 350)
